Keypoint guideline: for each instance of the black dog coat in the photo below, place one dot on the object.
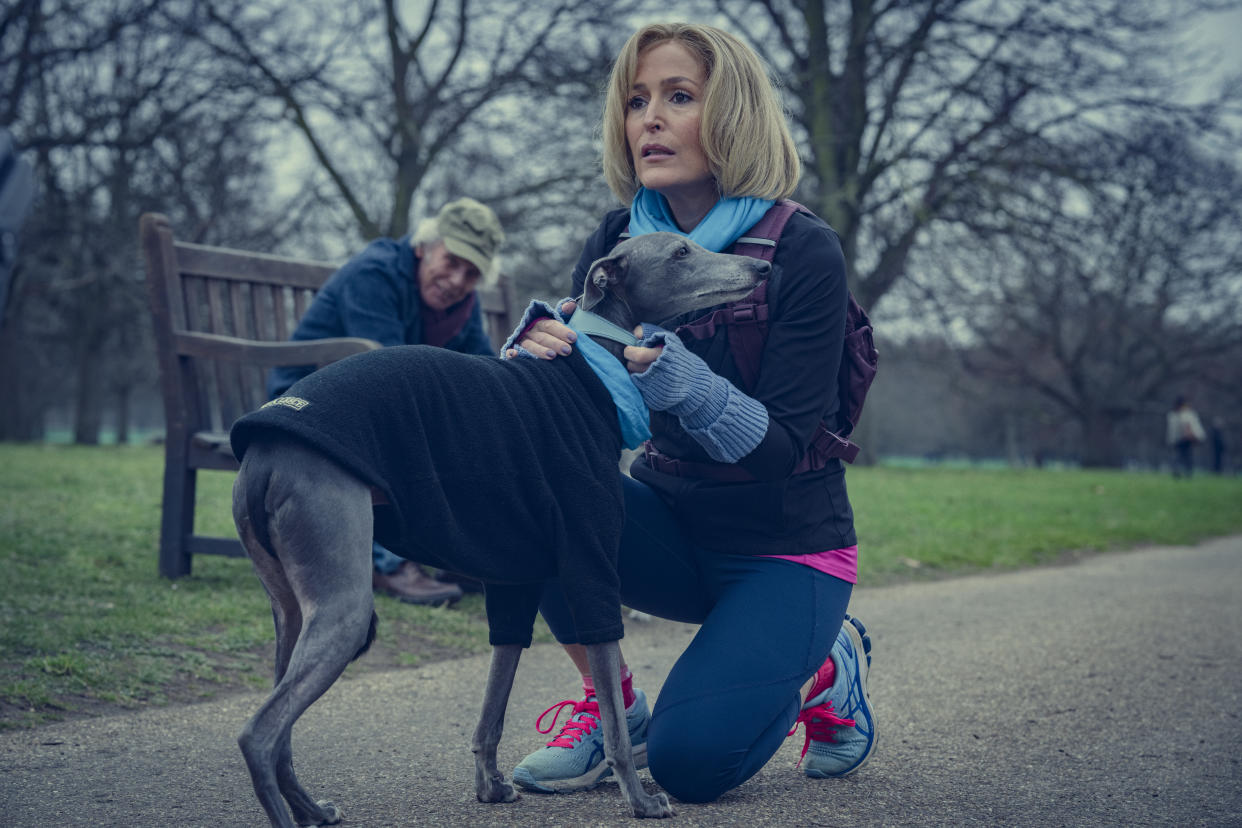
(502, 470)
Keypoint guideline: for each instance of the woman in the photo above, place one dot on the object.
(1183, 431)
(765, 560)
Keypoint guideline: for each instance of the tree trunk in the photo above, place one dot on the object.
(1101, 449)
(88, 404)
(1013, 451)
(123, 394)
(864, 435)
(21, 417)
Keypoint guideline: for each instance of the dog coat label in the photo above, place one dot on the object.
(296, 403)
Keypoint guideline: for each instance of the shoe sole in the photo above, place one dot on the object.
(862, 631)
(523, 779)
(855, 630)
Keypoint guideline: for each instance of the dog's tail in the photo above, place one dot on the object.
(371, 632)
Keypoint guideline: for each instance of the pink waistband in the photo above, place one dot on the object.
(839, 563)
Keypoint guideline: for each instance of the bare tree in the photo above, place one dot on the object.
(905, 106)
(50, 55)
(395, 105)
(1110, 299)
(119, 118)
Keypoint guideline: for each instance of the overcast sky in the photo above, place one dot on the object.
(1221, 34)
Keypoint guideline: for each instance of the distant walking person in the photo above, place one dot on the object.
(1183, 431)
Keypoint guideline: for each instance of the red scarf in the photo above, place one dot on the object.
(439, 326)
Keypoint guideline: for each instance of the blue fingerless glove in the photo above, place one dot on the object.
(724, 421)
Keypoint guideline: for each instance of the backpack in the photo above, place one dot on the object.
(746, 324)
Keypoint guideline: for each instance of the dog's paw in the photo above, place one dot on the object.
(655, 806)
(497, 790)
(330, 814)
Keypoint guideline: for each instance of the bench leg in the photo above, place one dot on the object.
(177, 520)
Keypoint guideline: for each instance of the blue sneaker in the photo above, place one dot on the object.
(574, 760)
(838, 719)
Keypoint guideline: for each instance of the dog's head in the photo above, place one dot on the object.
(657, 276)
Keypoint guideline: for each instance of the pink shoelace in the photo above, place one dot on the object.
(575, 728)
(820, 725)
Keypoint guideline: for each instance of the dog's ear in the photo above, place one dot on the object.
(604, 277)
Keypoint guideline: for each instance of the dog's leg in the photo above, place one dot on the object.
(605, 661)
(287, 620)
(321, 593)
(489, 782)
(265, 744)
(286, 614)
(329, 639)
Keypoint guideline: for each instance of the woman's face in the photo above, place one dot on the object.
(662, 128)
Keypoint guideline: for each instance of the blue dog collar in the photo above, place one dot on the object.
(585, 322)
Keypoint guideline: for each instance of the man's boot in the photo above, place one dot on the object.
(411, 584)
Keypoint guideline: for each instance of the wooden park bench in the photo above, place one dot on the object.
(222, 320)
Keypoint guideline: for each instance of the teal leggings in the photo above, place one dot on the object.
(766, 626)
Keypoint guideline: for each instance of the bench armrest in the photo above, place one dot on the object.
(270, 354)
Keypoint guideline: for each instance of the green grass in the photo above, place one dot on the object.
(87, 625)
(933, 522)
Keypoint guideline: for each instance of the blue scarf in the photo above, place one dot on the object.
(631, 410)
(728, 219)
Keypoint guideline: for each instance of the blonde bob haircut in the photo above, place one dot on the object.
(743, 132)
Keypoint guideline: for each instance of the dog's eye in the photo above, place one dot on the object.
(683, 251)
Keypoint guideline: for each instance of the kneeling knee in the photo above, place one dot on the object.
(690, 773)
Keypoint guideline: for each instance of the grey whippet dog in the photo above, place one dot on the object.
(307, 515)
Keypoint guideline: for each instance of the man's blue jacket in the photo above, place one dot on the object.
(375, 296)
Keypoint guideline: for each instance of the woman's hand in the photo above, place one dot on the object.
(547, 338)
(637, 358)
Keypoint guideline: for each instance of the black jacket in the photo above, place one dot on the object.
(505, 471)
(780, 514)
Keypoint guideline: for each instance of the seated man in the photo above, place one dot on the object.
(418, 289)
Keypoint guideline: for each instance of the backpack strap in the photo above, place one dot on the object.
(760, 241)
(746, 325)
(824, 446)
(746, 321)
